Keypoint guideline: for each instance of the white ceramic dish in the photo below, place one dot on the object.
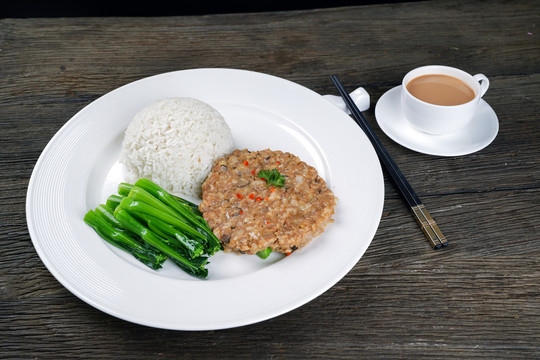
(478, 134)
(78, 169)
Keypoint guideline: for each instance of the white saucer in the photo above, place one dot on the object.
(478, 134)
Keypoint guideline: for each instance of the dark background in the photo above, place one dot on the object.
(42, 8)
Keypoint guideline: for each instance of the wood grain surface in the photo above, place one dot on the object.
(478, 298)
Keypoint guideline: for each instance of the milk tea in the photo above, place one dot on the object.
(440, 90)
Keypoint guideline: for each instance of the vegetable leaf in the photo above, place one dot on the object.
(272, 177)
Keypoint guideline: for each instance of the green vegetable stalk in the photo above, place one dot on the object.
(193, 247)
(142, 210)
(148, 256)
(113, 201)
(195, 268)
(182, 210)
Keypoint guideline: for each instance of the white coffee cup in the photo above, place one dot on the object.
(441, 119)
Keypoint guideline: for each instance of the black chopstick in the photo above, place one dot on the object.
(418, 210)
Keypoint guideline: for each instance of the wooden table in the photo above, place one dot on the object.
(477, 298)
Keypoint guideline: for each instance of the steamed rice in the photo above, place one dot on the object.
(174, 143)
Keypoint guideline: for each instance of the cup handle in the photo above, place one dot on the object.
(484, 83)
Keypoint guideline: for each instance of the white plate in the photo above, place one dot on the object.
(78, 169)
(478, 134)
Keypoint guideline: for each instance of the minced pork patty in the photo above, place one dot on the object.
(249, 215)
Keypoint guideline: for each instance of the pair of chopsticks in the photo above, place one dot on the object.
(418, 210)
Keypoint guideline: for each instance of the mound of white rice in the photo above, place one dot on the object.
(174, 143)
